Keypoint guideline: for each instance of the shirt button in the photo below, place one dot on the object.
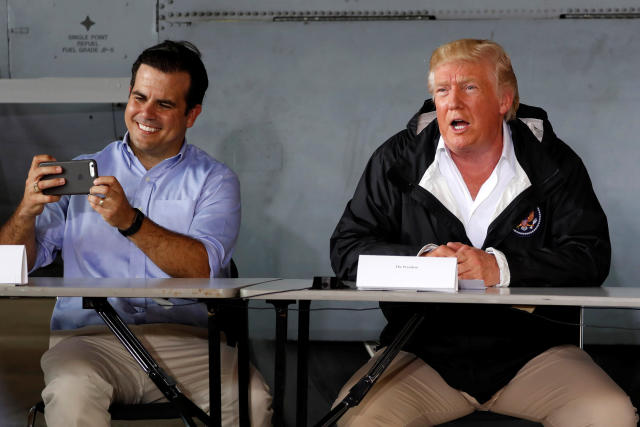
(147, 179)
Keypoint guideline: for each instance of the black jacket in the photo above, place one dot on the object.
(479, 348)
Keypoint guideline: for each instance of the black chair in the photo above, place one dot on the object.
(160, 410)
(144, 411)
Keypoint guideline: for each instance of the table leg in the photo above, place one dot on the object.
(164, 382)
(243, 365)
(303, 363)
(581, 333)
(281, 361)
(227, 311)
(215, 390)
(362, 387)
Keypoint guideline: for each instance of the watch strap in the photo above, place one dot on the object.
(135, 226)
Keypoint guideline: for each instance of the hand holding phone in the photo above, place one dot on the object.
(78, 175)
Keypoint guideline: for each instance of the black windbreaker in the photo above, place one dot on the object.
(553, 234)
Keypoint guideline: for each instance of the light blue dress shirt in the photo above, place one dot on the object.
(190, 193)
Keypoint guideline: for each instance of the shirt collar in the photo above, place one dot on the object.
(131, 158)
(506, 157)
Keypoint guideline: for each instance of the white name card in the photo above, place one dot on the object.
(407, 272)
(13, 265)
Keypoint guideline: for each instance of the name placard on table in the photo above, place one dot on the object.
(407, 272)
(13, 265)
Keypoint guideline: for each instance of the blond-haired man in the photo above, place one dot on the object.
(481, 178)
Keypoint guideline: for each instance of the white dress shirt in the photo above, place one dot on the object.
(506, 182)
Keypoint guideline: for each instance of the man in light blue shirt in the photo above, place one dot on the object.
(161, 208)
(202, 211)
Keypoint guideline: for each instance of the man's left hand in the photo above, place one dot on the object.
(474, 263)
(109, 200)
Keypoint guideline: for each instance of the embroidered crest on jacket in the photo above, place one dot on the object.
(530, 224)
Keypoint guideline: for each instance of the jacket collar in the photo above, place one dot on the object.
(531, 146)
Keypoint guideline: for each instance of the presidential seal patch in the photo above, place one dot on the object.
(530, 224)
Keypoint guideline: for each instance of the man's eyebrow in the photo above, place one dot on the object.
(465, 80)
(158, 101)
(166, 101)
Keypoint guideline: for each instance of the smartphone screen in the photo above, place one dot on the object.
(78, 175)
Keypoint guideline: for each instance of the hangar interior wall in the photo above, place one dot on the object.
(296, 106)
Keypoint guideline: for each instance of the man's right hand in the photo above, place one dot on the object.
(33, 201)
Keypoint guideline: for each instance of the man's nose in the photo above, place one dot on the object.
(455, 100)
(147, 110)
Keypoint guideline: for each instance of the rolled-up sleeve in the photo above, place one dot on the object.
(216, 220)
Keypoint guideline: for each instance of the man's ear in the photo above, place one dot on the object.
(506, 100)
(193, 114)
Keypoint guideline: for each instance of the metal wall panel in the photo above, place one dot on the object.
(296, 110)
(4, 43)
(181, 12)
(78, 38)
(63, 131)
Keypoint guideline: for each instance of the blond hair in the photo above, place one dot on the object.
(474, 50)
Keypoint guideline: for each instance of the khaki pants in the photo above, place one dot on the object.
(562, 387)
(85, 370)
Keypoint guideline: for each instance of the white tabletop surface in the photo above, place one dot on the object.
(299, 289)
(132, 288)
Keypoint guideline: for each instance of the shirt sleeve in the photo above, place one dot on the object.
(505, 274)
(427, 248)
(50, 226)
(216, 221)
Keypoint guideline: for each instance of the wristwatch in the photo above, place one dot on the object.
(137, 223)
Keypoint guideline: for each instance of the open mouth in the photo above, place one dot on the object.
(459, 124)
(147, 128)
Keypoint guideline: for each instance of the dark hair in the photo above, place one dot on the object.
(170, 57)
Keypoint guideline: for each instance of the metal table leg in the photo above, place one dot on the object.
(303, 363)
(362, 387)
(227, 312)
(243, 365)
(215, 388)
(164, 382)
(281, 361)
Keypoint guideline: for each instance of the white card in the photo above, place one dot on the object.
(407, 272)
(13, 265)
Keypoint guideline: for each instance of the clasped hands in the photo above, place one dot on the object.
(473, 263)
